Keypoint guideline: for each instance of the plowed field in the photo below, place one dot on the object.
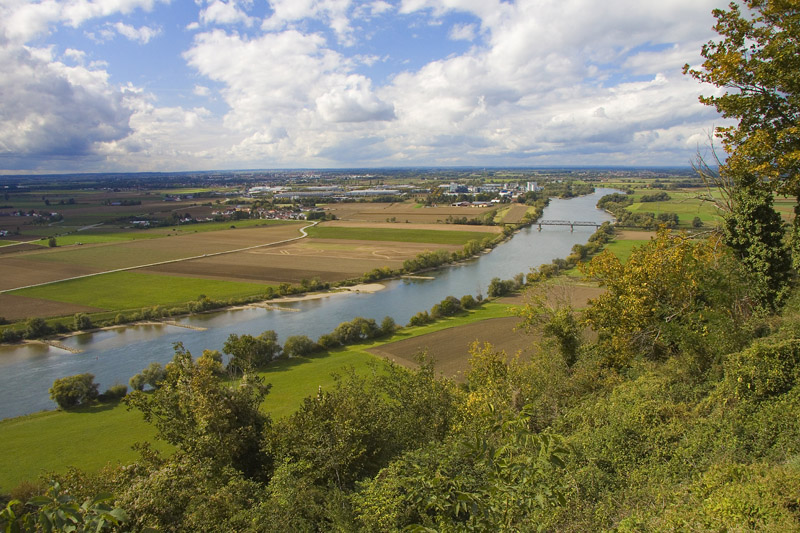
(450, 347)
(402, 212)
(306, 259)
(14, 307)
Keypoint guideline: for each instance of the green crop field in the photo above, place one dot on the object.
(97, 235)
(685, 204)
(397, 235)
(131, 290)
(622, 248)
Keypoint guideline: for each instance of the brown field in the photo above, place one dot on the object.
(16, 248)
(19, 308)
(328, 260)
(633, 235)
(413, 226)
(50, 264)
(515, 214)
(558, 293)
(402, 212)
(450, 347)
(19, 271)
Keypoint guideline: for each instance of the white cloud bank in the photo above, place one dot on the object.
(544, 82)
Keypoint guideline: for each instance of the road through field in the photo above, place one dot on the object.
(303, 235)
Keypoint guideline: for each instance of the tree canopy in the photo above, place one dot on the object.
(757, 62)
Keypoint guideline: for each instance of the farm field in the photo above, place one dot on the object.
(402, 234)
(87, 438)
(89, 207)
(337, 250)
(514, 214)
(111, 234)
(449, 348)
(626, 241)
(327, 259)
(52, 264)
(13, 307)
(785, 206)
(684, 203)
(130, 290)
(448, 343)
(402, 212)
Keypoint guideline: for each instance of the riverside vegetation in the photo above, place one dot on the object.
(682, 413)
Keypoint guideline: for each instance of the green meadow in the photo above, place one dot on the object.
(685, 204)
(100, 234)
(95, 436)
(131, 290)
(397, 235)
(622, 248)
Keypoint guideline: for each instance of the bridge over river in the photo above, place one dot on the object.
(570, 223)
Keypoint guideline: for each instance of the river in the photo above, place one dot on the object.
(113, 356)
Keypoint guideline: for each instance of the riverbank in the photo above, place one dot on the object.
(114, 355)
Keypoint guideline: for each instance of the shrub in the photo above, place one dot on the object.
(36, 327)
(81, 321)
(468, 301)
(420, 319)
(73, 391)
(298, 346)
(12, 335)
(498, 287)
(115, 392)
(764, 370)
(248, 352)
(137, 382)
(388, 326)
(447, 307)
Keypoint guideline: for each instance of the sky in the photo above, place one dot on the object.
(160, 85)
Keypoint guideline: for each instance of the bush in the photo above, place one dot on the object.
(81, 322)
(764, 370)
(248, 352)
(36, 327)
(298, 346)
(498, 287)
(73, 391)
(137, 382)
(12, 335)
(468, 301)
(114, 392)
(420, 319)
(388, 326)
(447, 307)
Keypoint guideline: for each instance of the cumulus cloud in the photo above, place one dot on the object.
(51, 109)
(141, 35)
(550, 82)
(353, 101)
(201, 90)
(463, 32)
(77, 56)
(225, 13)
(21, 20)
(335, 13)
